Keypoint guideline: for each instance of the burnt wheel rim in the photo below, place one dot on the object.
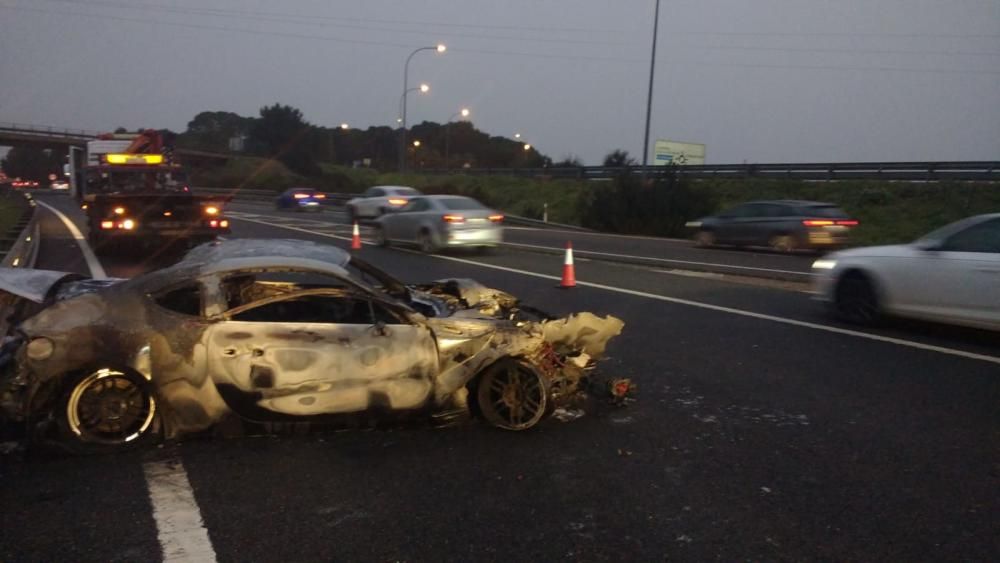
(856, 300)
(110, 407)
(513, 397)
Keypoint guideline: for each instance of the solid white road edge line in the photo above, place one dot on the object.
(179, 525)
(96, 270)
(699, 304)
(671, 260)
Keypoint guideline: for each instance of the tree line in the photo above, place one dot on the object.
(281, 132)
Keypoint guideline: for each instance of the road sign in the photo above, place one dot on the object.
(675, 152)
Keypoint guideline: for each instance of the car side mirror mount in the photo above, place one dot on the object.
(379, 329)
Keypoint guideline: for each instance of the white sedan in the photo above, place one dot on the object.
(951, 275)
(377, 201)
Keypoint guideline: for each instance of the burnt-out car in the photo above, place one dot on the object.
(275, 331)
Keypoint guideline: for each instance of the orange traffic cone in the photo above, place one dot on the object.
(356, 238)
(569, 274)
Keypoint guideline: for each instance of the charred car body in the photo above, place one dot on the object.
(275, 330)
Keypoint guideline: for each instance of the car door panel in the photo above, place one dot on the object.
(311, 368)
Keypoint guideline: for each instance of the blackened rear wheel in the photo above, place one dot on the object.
(512, 395)
(856, 300)
(107, 409)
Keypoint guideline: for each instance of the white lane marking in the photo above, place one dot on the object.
(179, 525)
(581, 251)
(96, 270)
(699, 304)
(670, 260)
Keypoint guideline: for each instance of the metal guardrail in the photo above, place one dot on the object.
(23, 253)
(988, 171)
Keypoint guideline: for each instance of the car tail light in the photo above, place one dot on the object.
(817, 222)
(211, 210)
(300, 196)
(397, 201)
(849, 222)
(213, 223)
(453, 218)
(224, 224)
(168, 213)
(127, 224)
(107, 224)
(496, 218)
(320, 196)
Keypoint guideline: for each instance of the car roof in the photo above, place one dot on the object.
(448, 196)
(238, 254)
(398, 188)
(301, 189)
(796, 202)
(265, 249)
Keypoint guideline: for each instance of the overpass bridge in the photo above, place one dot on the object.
(58, 138)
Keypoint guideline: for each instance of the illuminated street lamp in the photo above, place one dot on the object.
(345, 126)
(527, 147)
(423, 89)
(416, 143)
(464, 112)
(439, 48)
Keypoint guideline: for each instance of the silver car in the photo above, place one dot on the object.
(377, 201)
(276, 331)
(440, 221)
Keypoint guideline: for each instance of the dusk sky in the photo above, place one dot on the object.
(760, 81)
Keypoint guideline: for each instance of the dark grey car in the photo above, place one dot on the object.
(784, 225)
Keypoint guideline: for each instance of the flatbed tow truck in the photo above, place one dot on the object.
(134, 194)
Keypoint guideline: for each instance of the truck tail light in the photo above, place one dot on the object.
(224, 224)
(211, 210)
(107, 224)
(119, 211)
(817, 222)
(127, 224)
(453, 218)
(849, 222)
(496, 218)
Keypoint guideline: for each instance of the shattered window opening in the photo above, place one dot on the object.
(310, 307)
(185, 300)
(244, 288)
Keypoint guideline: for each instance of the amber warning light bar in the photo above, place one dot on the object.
(124, 158)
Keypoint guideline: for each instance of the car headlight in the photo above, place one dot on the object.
(40, 348)
(824, 264)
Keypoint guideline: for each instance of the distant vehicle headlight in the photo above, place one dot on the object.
(822, 264)
(40, 348)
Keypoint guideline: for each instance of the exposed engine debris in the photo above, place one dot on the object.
(279, 331)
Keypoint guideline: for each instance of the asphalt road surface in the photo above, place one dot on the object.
(762, 430)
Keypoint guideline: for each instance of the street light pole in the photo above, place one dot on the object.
(649, 98)
(440, 48)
